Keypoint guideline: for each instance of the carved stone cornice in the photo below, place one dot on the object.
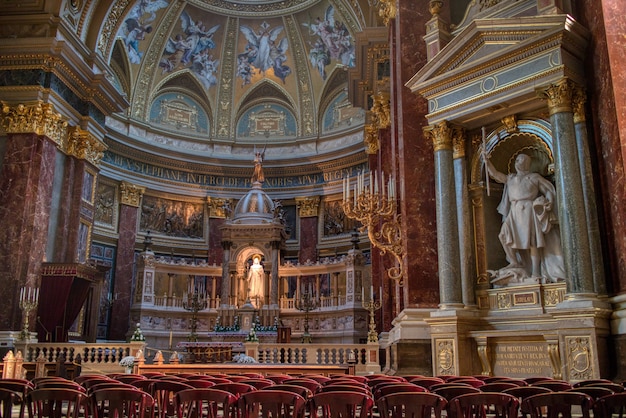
(219, 207)
(578, 103)
(131, 194)
(308, 205)
(559, 96)
(441, 135)
(85, 146)
(39, 118)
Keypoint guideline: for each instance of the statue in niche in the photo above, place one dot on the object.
(258, 175)
(256, 279)
(529, 234)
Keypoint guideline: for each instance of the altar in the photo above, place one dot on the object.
(210, 351)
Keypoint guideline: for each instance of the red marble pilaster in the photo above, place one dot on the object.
(414, 159)
(216, 253)
(124, 260)
(26, 181)
(606, 19)
(308, 239)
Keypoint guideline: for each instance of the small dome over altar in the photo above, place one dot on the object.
(255, 207)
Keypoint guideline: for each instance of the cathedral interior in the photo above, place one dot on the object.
(455, 168)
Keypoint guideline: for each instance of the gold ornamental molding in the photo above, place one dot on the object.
(39, 118)
(308, 205)
(386, 9)
(381, 111)
(441, 135)
(510, 124)
(458, 142)
(131, 194)
(84, 146)
(371, 139)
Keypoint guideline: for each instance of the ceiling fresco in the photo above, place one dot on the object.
(253, 71)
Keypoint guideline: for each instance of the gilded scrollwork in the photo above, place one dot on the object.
(441, 135)
(559, 96)
(219, 207)
(131, 194)
(578, 103)
(458, 142)
(83, 145)
(510, 124)
(39, 118)
(371, 139)
(445, 357)
(579, 357)
(308, 206)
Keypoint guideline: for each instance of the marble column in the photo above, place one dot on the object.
(308, 210)
(130, 199)
(447, 225)
(569, 189)
(463, 216)
(274, 274)
(26, 183)
(225, 295)
(589, 194)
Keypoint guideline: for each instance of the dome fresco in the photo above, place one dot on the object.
(223, 53)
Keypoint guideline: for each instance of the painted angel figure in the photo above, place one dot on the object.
(260, 45)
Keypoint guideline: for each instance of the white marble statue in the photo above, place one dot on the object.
(529, 234)
(256, 280)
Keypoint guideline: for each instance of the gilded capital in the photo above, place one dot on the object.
(83, 145)
(371, 139)
(441, 135)
(39, 118)
(559, 96)
(458, 142)
(381, 111)
(578, 103)
(308, 205)
(131, 194)
(386, 10)
(219, 207)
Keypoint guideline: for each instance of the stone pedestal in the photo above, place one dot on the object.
(407, 345)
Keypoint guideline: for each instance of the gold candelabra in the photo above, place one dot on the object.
(195, 300)
(371, 306)
(376, 205)
(308, 302)
(29, 299)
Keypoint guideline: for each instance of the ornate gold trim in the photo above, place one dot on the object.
(458, 142)
(510, 124)
(219, 207)
(308, 206)
(441, 135)
(578, 103)
(446, 357)
(559, 96)
(85, 146)
(130, 194)
(371, 139)
(39, 118)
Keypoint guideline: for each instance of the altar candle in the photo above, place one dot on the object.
(22, 294)
(170, 346)
(372, 292)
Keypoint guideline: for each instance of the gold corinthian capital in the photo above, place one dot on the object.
(39, 118)
(83, 145)
(131, 194)
(560, 96)
(441, 134)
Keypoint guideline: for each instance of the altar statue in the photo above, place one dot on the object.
(257, 175)
(529, 234)
(256, 280)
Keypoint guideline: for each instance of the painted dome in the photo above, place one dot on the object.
(255, 207)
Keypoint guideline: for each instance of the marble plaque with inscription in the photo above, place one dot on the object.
(521, 359)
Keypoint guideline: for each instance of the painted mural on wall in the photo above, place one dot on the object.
(266, 120)
(330, 41)
(340, 114)
(137, 25)
(191, 48)
(179, 112)
(171, 217)
(263, 51)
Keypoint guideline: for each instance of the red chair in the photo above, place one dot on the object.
(427, 382)
(534, 379)
(66, 384)
(310, 384)
(111, 385)
(121, 403)
(411, 405)
(554, 385)
(497, 386)
(615, 387)
(268, 403)
(258, 383)
(317, 377)
(163, 392)
(590, 382)
(556, 404)
(57, 402)
(199, 384)
(341, 405)
(595, 392)
(300, 390)
(278, 378)
(345, 388)
(85, 377)
(477, 405)
(191, 403)
(235, 388)
(21, 388)
(397, 388)
(8, 398)
(610, 406)
(450, 391)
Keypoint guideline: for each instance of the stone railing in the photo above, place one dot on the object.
(40, 358)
